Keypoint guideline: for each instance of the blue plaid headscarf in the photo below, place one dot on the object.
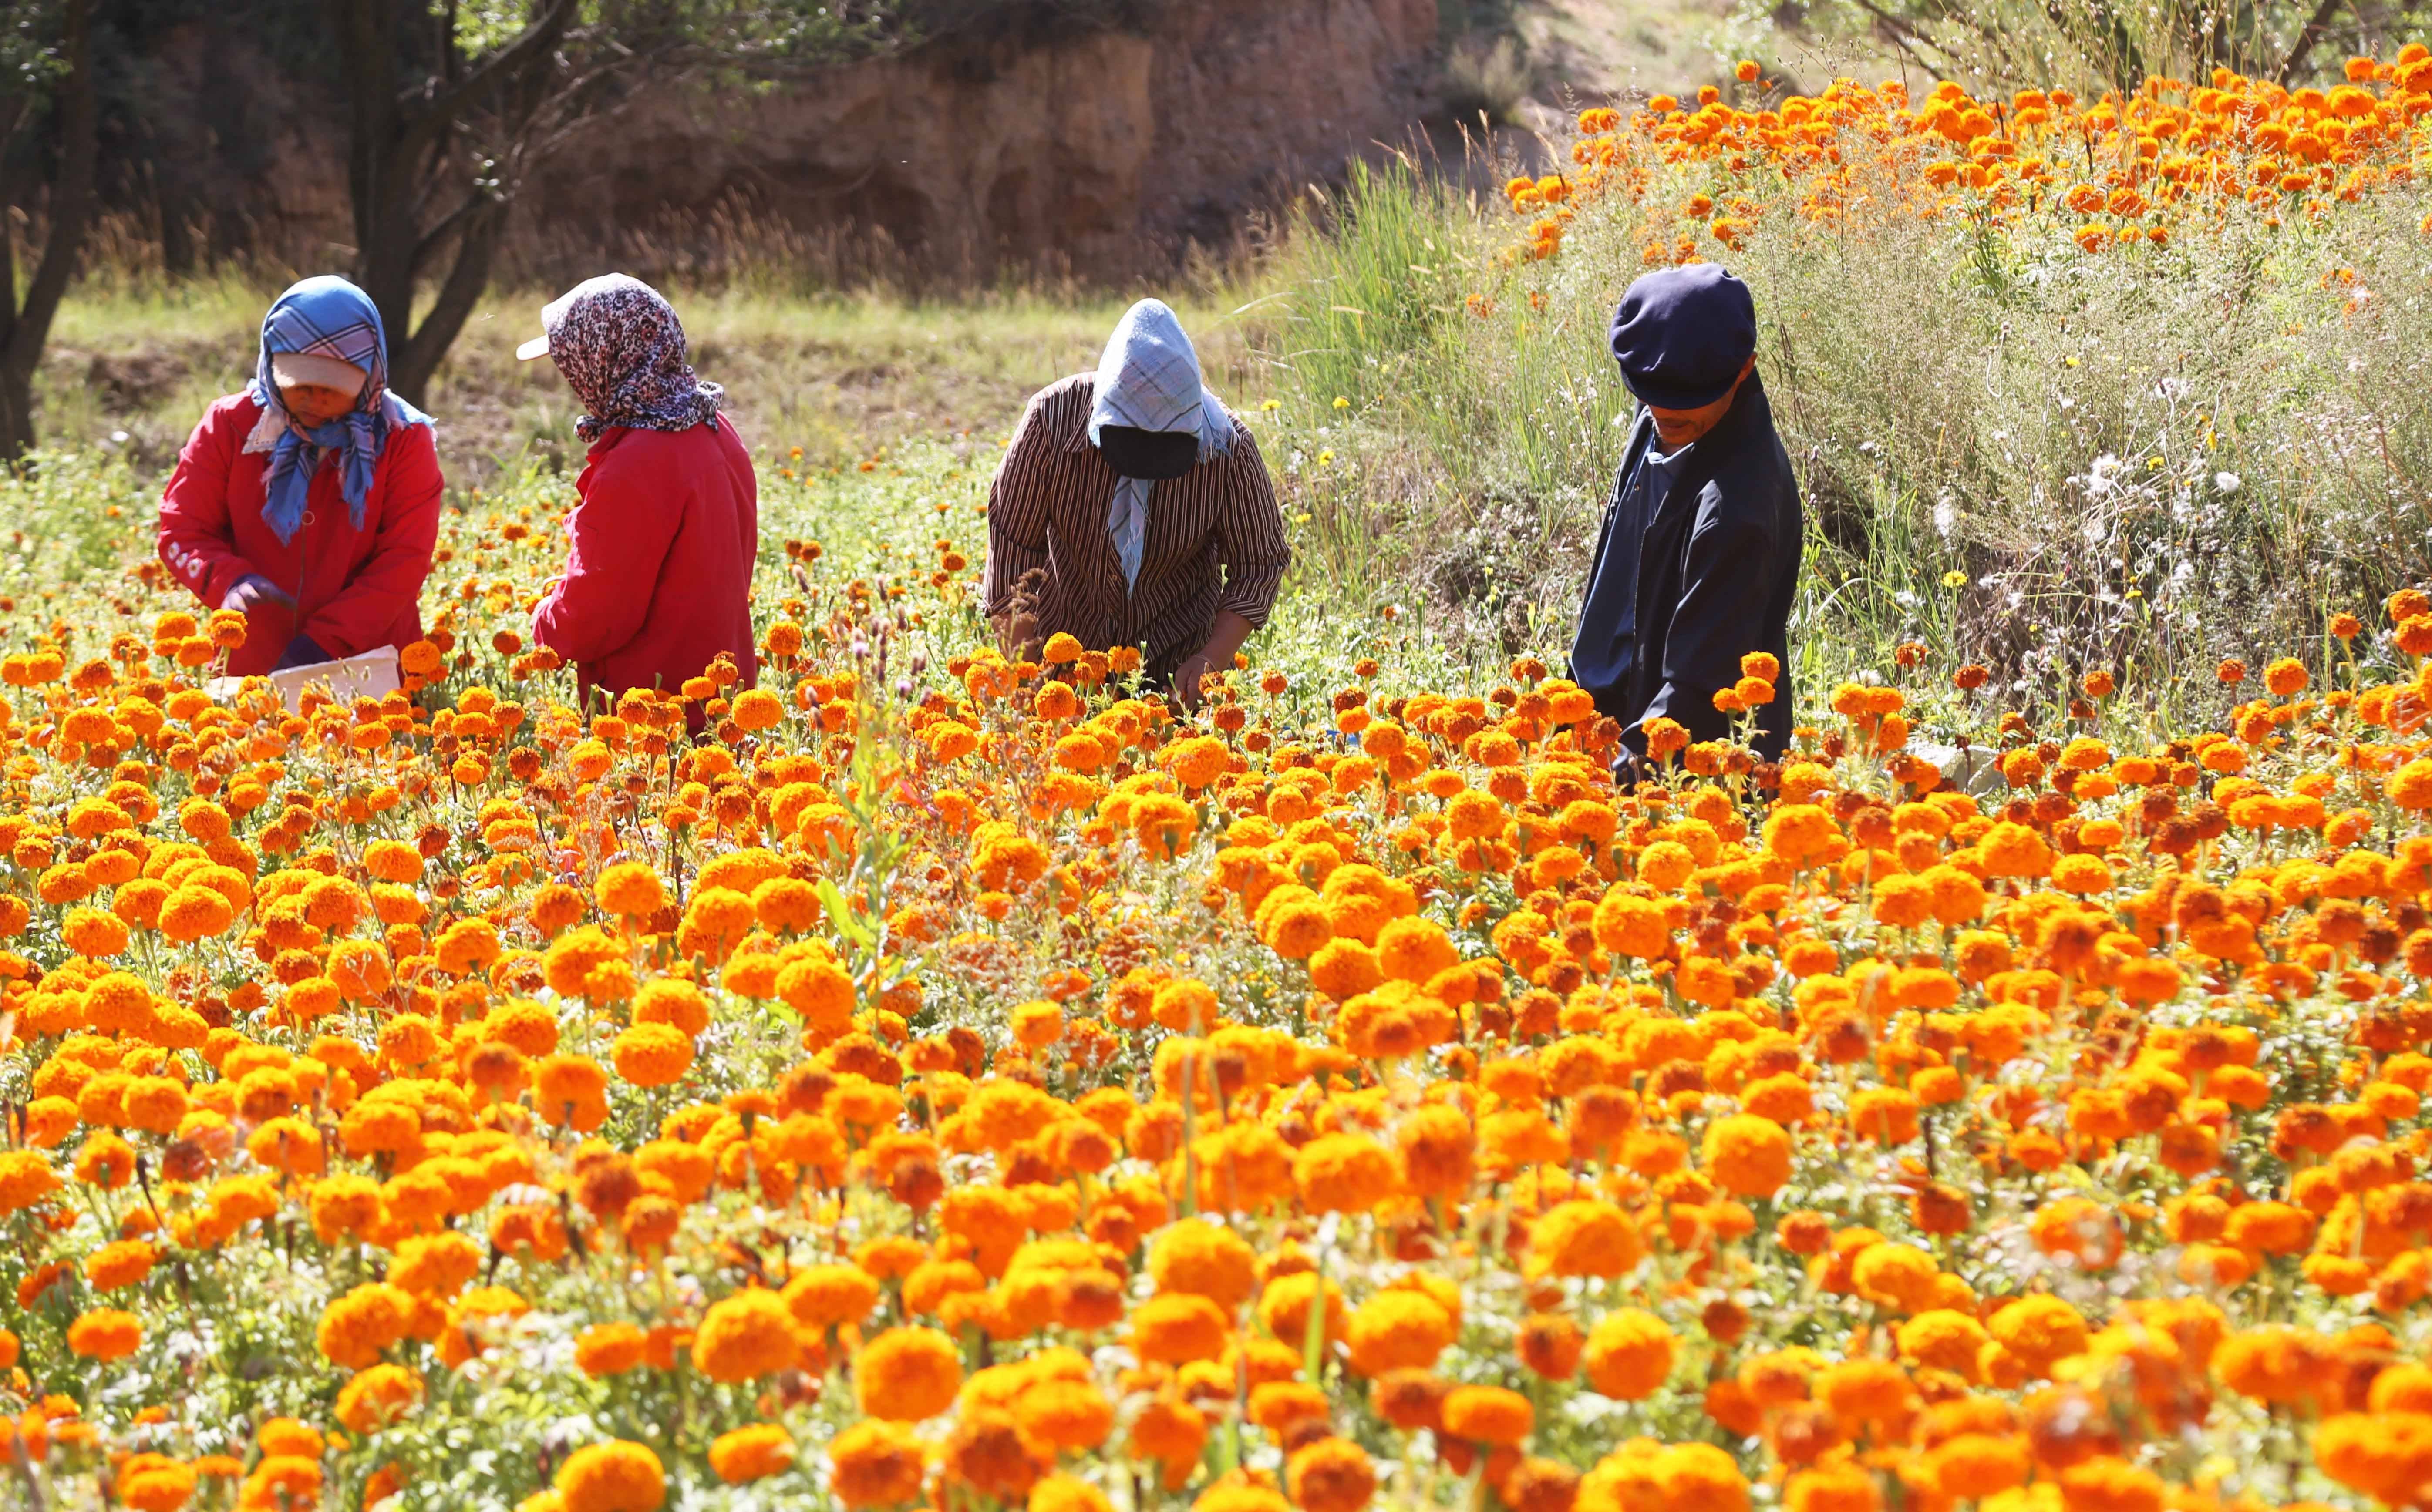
(326, 316)
(1148, 379)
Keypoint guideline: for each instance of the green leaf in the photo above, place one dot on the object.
(843, 915)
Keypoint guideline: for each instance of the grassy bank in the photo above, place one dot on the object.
(841, 377)
(2176, 447)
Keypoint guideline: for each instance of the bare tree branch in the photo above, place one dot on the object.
(434, 113)
(2304, 45)
(477, 247)
(450, 225)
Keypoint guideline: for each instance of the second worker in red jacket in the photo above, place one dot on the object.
(658, 573)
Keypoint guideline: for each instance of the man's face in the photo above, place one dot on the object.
(1675, 429)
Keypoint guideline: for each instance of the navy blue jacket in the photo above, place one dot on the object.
(1717, 571)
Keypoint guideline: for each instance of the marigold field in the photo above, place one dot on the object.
(2108, 175)
(965, 1083)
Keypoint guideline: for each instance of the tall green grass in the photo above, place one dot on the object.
(2141, 463)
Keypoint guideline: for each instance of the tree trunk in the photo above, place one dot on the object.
(28, 325)
(401, 161)
(379, 192)
(413, 360)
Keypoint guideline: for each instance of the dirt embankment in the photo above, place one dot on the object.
(1103, 152)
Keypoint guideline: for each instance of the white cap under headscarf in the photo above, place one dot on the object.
(1149, 379)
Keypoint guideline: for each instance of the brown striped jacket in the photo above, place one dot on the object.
(1215, 537)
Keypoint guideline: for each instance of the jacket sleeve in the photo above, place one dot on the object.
(1250, 533)
(1018, 509)
(386, 587)
(1718, 620)
(620, 535)
(1609, 698)
(195, 540)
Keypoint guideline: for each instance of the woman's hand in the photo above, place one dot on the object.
(302, 651)
(254, 589)
(1187, 677)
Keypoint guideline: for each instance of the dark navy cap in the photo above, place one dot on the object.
(1682, 334)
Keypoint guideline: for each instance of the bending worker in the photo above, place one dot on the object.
(1697, 560)
(309, 501)
(666, 530)
(1145, 506)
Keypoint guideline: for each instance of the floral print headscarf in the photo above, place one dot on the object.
(621, 349)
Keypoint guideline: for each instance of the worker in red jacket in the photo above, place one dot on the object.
(310, 501)
(658, 575)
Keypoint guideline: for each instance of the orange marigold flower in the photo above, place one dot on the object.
(1629, 1354)
(617, 1476)
(907, 1374)
(1487, 1415)
(746, 1337)
(877, 1463)
(106, 1334)
(750, 1454)
(1749, 1157)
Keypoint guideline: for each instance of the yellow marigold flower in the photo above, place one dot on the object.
(26, 1178)
(1629, 925)
(819, 990)
(1943, 1338)
(1899, 1276)
(1972, 1466)
(1799, 832)
(2384, 1454)
(630, 889)
(2108, 1484)
(757, 709)
(286, 1481)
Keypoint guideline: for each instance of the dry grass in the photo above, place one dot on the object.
(839, 376)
